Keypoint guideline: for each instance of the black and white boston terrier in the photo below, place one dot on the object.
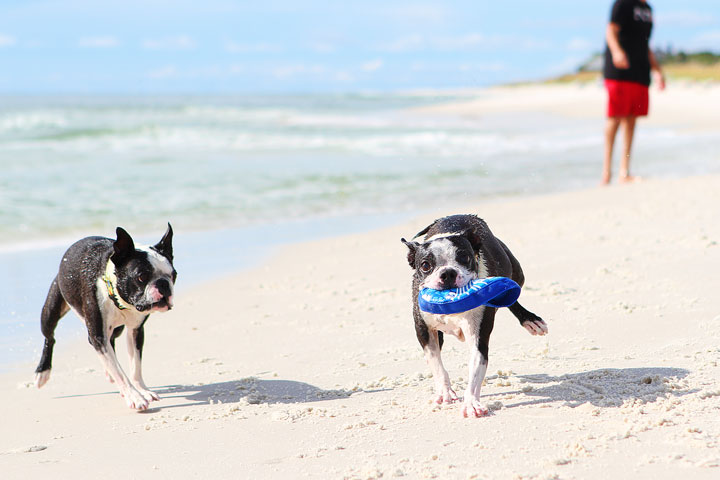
(111, 284)
(454, 251)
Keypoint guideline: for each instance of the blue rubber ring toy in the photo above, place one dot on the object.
(492, 291)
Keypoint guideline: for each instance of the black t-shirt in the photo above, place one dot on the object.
(635, 20)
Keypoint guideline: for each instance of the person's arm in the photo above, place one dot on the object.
(619, 58)
(655, 68)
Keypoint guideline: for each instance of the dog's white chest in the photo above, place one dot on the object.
(113, 316)
(449, 324)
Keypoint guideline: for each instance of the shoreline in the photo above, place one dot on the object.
(238, 262)
(306, 364)
(251, 247)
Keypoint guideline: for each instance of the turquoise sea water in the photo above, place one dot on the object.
(250, 171)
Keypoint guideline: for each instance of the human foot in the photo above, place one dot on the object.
(605, 179)
(629, 179)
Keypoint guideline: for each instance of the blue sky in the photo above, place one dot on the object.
(213, 46)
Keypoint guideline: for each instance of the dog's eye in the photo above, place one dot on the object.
(425, 266)
(141, 278)
(465, 259)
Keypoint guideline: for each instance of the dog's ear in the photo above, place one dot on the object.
(164, 246)
(123, 247)
(474, 237)
(412, 249)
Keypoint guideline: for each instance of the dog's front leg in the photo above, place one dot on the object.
(477, 331)
(135, 341)
(133, 398)
(443, 390)
(100, 336)
(477, 366)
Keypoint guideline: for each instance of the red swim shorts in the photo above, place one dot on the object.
(626, 98)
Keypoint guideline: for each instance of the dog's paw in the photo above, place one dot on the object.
(150, 396)
(473, 408)
(446, 395)
(41, 378)
(536, 326)
(134, 399)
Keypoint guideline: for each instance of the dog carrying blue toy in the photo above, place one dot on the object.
(492, 291)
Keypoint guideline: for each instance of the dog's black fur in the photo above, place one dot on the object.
(143, 283)
(476, 252)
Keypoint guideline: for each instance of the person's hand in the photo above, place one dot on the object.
(620, 60)
(660, 79)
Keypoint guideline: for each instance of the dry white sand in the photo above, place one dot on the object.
(683, 105)
(308, 366)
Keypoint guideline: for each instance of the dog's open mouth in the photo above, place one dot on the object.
(161, 305)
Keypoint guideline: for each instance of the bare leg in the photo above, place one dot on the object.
(611, 128)
(628, 124)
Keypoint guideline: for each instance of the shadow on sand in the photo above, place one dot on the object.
(608, 387)
(250, 390)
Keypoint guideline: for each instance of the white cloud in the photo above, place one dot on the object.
(434, 67)
(323, 47)
(482, 67)
(6, 41)
(707, 40)
(293, 70)
(416, 13)
(179, 42)
(404, 44)
(106, 41)
(234, 47)
(343, 76)
(237, 69)
(163, 72)
(468, 41)
(372, 65)
(684, 19)
(565, 65)
(462, 42)
(579, 44)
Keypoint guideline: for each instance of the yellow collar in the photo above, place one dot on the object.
(110, 280)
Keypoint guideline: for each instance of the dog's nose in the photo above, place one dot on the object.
(163, 287)
(448, 277)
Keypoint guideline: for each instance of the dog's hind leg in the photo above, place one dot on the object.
(529, 321)
(53, 310)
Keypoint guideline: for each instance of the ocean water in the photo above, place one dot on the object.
(236, 174)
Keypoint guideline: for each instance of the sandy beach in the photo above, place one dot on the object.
(683, 105)
(307, 366)
(290, 146)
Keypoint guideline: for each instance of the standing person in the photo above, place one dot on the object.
(628, 63)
